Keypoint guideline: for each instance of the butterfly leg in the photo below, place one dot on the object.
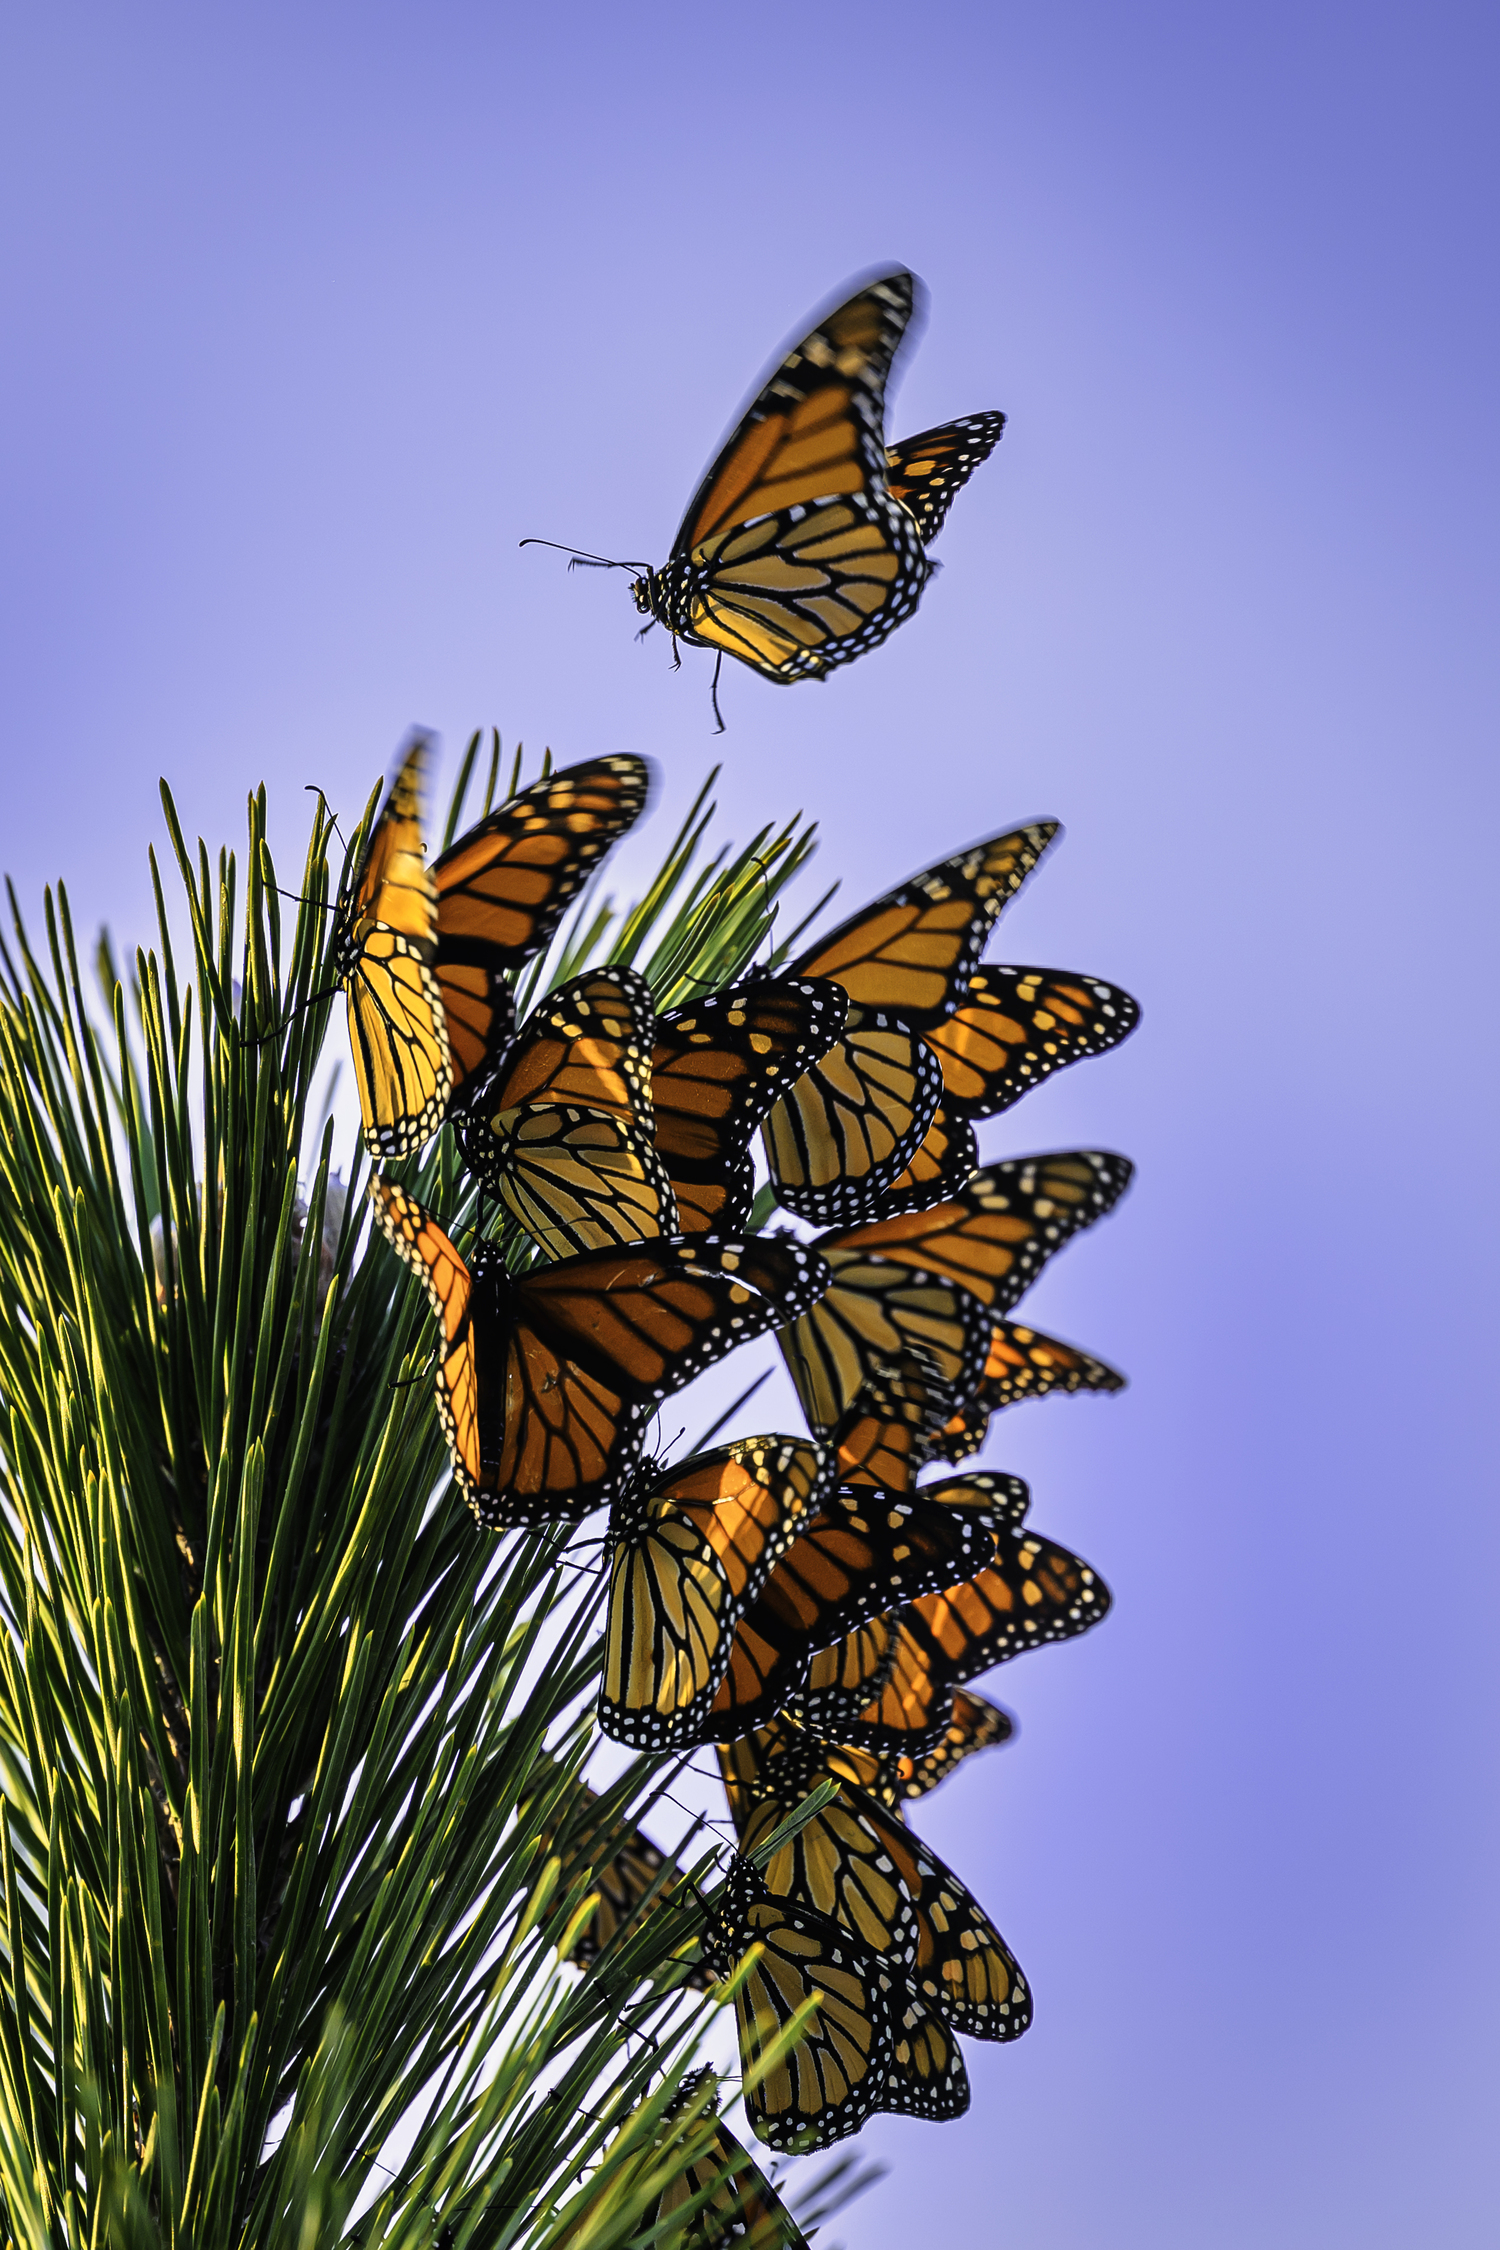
(648, 627)
(713, 693)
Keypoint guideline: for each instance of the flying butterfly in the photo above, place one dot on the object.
(933, 1280)
(563, 1128)
(872, 2044)
(796, 553)
(844, 1565)
(856, 1862)
(864, 1122)
(1014, 1027)
(716, 1068)
(384, 943)
(504, 886)
(690, 1548)
(1021, 1363)
(545, 1379)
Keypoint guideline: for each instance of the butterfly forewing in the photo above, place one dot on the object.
(716, 1068)
(927, 471)
(383, 946)
(691, 1549)
(504, 886)
(914, 950)
(1014, 1027)
(1021, 1363)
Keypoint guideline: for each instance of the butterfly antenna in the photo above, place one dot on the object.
(713, 693)
(328, 992)
(589, 562)
(311, 789)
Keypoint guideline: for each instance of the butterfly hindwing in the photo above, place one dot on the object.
(928, 471)
(384, 940)
(1020, 1363)
(503, 887)
(691, 1548)
(563, 1128)
(1014, 1027)
(854, 1121)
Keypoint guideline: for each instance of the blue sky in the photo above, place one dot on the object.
(313, 313)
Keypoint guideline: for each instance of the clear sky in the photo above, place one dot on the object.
(312, 312)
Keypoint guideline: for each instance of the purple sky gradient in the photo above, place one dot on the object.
(312, 313)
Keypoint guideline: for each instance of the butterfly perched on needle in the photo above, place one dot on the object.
(872, 2042)
(546, 1379)
(859, 1553)
(933, 1280)
(690, 1547)
(858, 1863)
(805, 544)
(725, 2197)
(562, 1129)
(503, 887)
(384, 944)
(870, 1119)
(630, 1876)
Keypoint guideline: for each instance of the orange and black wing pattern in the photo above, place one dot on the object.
(914, 951)
(1014, 1027)
(416, 1237)
(384, 942)
(552, 1375)
(863, 1124)
(854, 1121)
(563, 1128)
(923, 1278)
(725, 2197)
(503, 887)
(834, 2076)
(927, 471)
(1034, 1592)
(973, 1724)
(690, 1549)
(857, 1863)
(840, 1569)
(793, 555)
(716, 1069)
(1021, 1363)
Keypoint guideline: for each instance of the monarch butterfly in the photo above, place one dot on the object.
(925, 1278)
(563, 1129)
(858, 1863)
(724, 2195)
(1014, 1027)
(844, 1565)
(384, 942)
(1034, 1591)
(906, 960)
(872, 2044)
(503, 887)
(716, 1068)
(690, 1549)
(633, 1880)
(1021, 1363)
(546, 1378)
(910, 1291)
(796, 554)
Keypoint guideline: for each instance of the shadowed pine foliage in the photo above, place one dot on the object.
(289, 1751)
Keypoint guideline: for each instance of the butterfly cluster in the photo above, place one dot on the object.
(811, 1606)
